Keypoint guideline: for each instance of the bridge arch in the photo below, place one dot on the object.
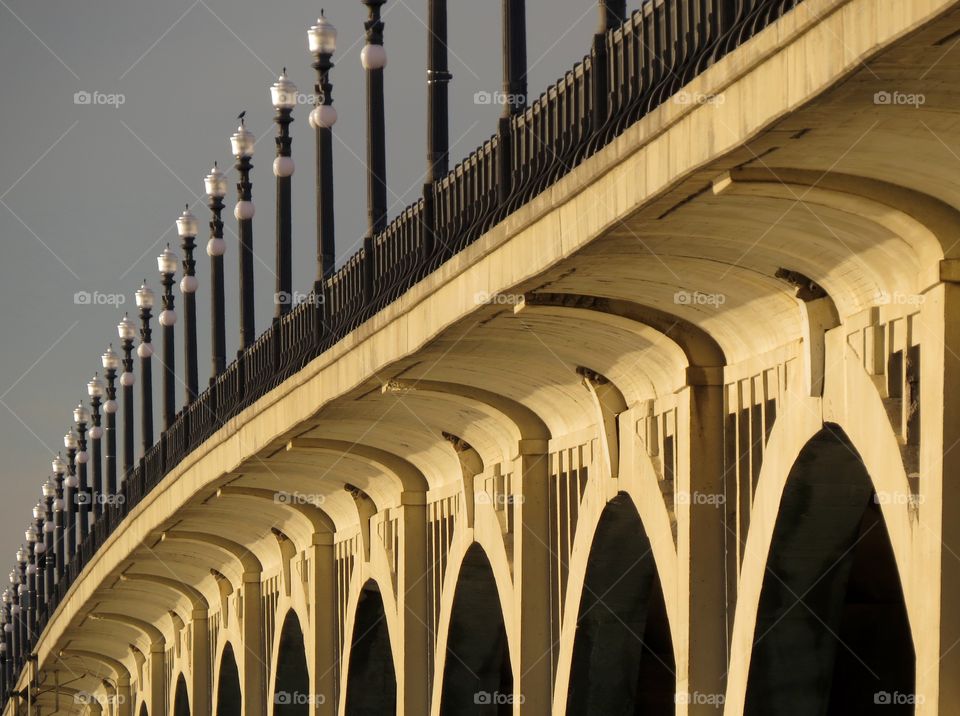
(181, 700)
(228, 692)
(370, 679)
(621, 605)
(831, 580)
(291, 682)
(473, 655)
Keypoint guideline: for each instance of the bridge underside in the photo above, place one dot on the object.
(672, 438)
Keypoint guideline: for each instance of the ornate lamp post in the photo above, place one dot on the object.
(110, 362)
(95, 390)
(215, 184)
(283, 95)
(127, 331)
(70, 494)
(10, 628)
(241, 142)
(167, 263)
(374, 59)
(40, 558)
(34, 570)
(187, 230)
(59, 467)
(438, 77)
(322, 40)
(145, 351)
(49, 531)
(30, 582)
(81, 417)
(514, 56)
(21, 603)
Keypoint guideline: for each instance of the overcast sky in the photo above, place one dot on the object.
(89, 192)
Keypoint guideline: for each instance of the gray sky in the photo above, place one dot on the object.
(89, 194)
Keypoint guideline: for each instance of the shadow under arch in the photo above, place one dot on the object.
(371, 678)
(623, 659)
(181, 701)
(477, 674)
(832, 634)
(291, 693)
(229, 695)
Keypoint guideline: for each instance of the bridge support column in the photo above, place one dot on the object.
(254, 693)
(324, 660)
(124, 697)
(201, 703)
(935, 620)
(532, 678)
(158, 693)
(701, 628)
(413, 604)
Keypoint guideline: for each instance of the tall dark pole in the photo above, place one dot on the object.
(215, 184)
(374, 59)
(127, 331)
(612, 14)
(514, 56)
(49, 536)
(40, 560)
(438, 77)
(58, 503)
(30, 593)
(83, 489)
(110, 363)
(10, 597)
(22, 602)
(284, 96)
(167, 263)
(95, 391)
(322, 39)
(145, 351)
(242, 142)
(70, 495)
(187, 229)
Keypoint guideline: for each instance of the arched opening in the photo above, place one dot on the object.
(477, 675)
(291, 691)
(622, 651)
(143, 710)
(181, 701)
(371, 680)
(229, 696)
(832, 635)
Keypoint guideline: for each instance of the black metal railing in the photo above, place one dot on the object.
(629, 72)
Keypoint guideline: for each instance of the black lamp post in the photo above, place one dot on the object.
(59, 467)
(127, 330)
(11, 628)
(49, 533)
(6, 653)
(215, 184)
(187, 230)
(438, 77)
(167, 264)
(30, 581)
(81, 417)
(514, 56)
(21, 602)
(95, 391)
(70, 494)
(241, 142)
(283, 95)
(39, 558)
(145, 351)
(374, 59)
(110, 362)
(322, 40)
